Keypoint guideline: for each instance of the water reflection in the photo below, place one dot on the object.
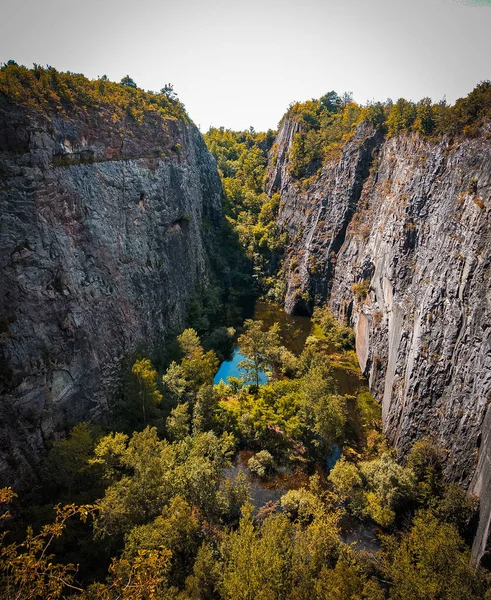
(268, 492)
(294, 330)
(269, 489)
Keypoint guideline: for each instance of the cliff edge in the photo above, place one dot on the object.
(394, 234)
(106, 218)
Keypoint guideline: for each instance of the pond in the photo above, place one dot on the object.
(294, 331)
(269, 489)
(267, 492)
(230, 368)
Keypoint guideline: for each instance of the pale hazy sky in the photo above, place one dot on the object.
(242, 62)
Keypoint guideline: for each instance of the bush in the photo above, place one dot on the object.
(300, 504)
(261, 463)
(361, 289)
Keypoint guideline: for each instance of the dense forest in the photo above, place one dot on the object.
(242, 159)
(152, 514)
(155, 504)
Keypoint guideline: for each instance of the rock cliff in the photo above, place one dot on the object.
(395, 236)
(105, 226)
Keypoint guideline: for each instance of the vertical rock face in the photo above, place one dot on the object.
(102, 241)
(316, 218)
(395, 236)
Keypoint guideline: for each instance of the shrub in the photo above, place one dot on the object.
(261, 464)
(361, 289)
(300, 504)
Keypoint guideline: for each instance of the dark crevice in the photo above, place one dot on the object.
(182, 223)
(321, 284)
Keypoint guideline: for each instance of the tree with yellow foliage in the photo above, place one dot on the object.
(147, 378)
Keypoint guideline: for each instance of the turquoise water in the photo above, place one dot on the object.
(293, 332)
(230, 368)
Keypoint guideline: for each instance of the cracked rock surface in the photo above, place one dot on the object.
(102, 241)
(395, 237)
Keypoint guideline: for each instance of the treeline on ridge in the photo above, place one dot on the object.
(45, 89)
(326, 124)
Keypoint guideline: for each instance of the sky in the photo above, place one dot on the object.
(240, 63)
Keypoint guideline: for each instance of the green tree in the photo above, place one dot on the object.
(168, 91)
(401, 116)
(301, 504)
(178, 529)
(425, 117)
(203, 582)
(189, 343)
(257, 563)
(142, 578)
(234, 494)
(260, 348)
(109, 454)
(144, 487)
(331, 102)
(261, 463)
(330, 418)
(334, 332)
(128, 82)
(28, 570)
(204, 409)
(432, 563)
(325, 412)
(154, 471)
(198, 367)
(390, 487)
(175, 383)
(347, 581)
(376, 114)
(457, 507)
(426, 461)
(316, 546)
(242, 158)
(348, 484)
(178, 422)
(150, 396)
(67, 469)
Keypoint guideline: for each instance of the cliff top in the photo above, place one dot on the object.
(466, 116)
(46, 90)
(323, 126)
